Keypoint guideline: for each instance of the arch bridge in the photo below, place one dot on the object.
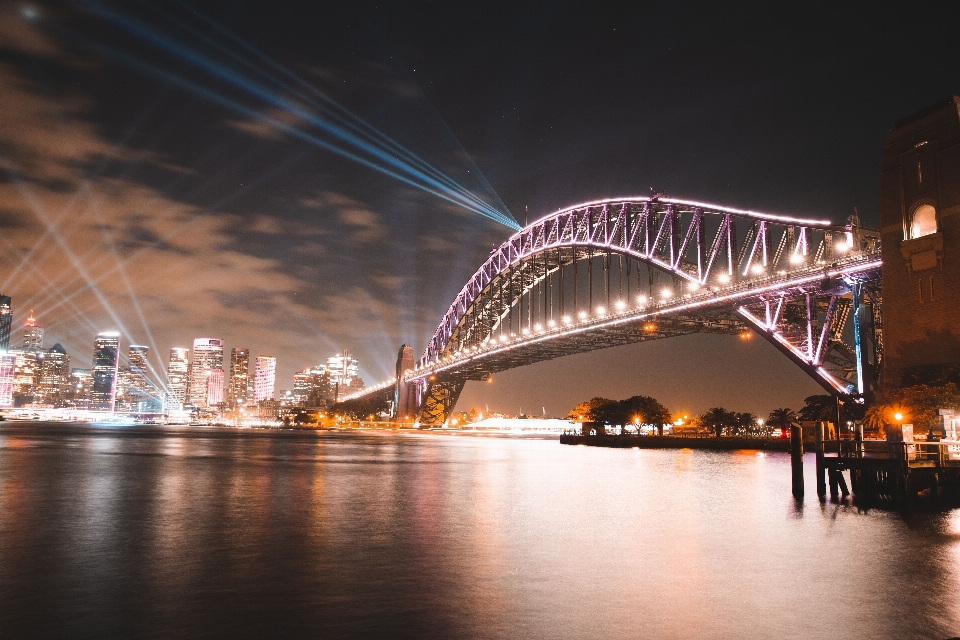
(621, 271)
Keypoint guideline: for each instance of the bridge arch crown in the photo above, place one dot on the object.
(690, 244)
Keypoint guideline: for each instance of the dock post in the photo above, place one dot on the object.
(821, 469)
(796, 460)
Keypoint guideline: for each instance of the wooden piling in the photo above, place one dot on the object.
(796, 460)
(821, 468)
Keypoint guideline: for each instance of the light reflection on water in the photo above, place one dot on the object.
(172, 531)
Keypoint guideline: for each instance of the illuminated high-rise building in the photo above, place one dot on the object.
(264, 378)
(302, 386)
(6, 322)
(238, 389)
(106, 360)
(177, 370)
(137, 355)
(7, 364)
(32, 334)
(53, 381)
(207, 355)
(342, 369)
(25, 375)
(215, 387)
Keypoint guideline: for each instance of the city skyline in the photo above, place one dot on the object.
(185, 196)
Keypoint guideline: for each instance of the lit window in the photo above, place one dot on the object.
(924, 221)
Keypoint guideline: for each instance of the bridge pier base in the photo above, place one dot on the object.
(796, 460)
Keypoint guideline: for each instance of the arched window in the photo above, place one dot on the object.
(924, 221)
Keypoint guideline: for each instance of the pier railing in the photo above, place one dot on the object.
(941, 453)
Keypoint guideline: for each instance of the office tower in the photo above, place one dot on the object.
(302, 385)
(237, 393)
(321, 389)
(25, 376)
(6, 322)
(137, 355)
(7, 364)
(264, 378)
(177, 370)
(207, 355)
(106, 359)
(53, 385)
(32, 334)
(80, 383)
(215, 387)
(342, 369)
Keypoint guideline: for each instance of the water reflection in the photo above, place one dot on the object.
(168, 531)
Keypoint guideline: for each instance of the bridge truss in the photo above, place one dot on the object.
(622, 271)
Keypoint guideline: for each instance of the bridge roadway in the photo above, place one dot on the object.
(688, 268)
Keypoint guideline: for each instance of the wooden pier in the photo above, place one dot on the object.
(888, 471)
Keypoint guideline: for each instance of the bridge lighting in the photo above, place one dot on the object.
(757, 268)
(525, 331)
(567, 319)
(666, 293)
(843, 246)
(552, 324)
(796, 258)
(538, 327)
(642, 300)
(694, 286)
(582, 315)
(648, 327)
(621, 305)
(724, 278)
(503, 338)
(601, 311)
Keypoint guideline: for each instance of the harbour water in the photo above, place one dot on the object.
(172, 532)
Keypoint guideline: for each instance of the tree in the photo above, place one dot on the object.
(920, 403)
(717, 418)
(589, 411)
(782, 418)
(745, 423)
(876, 417)
(819, 408)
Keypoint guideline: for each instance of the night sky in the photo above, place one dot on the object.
(166, 171)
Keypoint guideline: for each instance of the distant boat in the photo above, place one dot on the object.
(115, 421)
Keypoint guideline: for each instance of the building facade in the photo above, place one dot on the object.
(7, 364)
(53, 386)
(215, 388)
(207, 355)
(177, 369)
(6, 322)
(264, 378)
(106, 361)
(32, 334)
(920, 240)
(238, 390)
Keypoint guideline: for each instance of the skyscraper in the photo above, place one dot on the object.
(177, 370)
(215, 387)
(6, 321)
(302, 386)
(207, 355)
(106, 358)
(343, 369)
(32, 334)
(264, 378)
(7, 364)
(53, 384)
(237, 394)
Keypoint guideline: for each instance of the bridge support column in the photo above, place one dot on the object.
(441, 398)
(821, 480)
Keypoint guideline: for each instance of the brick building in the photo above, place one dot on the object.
(920, 236)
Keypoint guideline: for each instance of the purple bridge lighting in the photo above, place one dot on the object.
(627, 270)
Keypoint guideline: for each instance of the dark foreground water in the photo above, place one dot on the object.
(184, 532)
